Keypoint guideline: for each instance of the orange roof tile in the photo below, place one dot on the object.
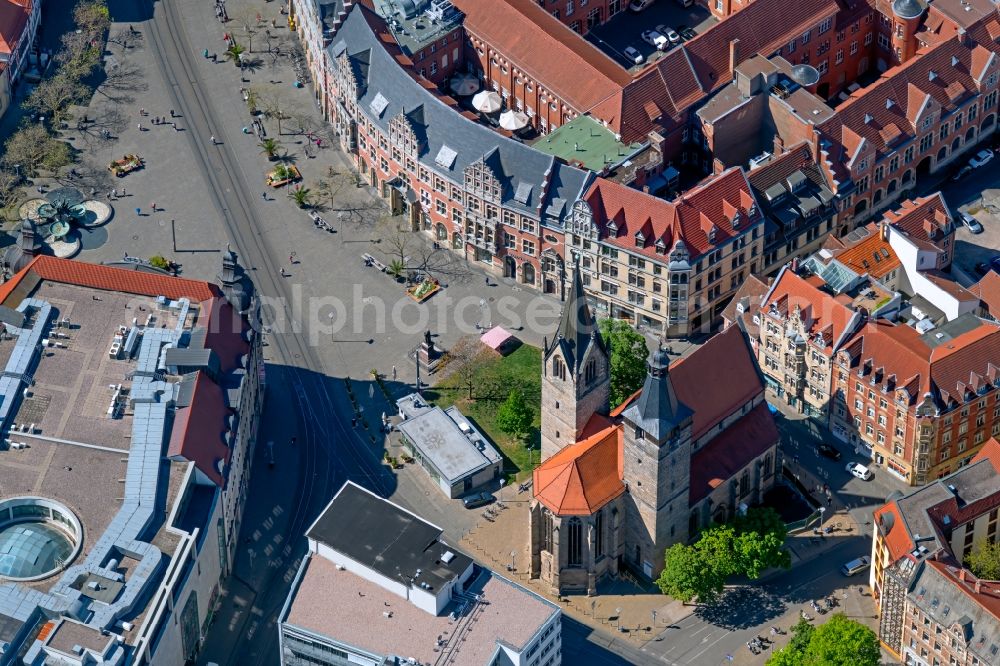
(820, 312)
(872, 255)
(108, 278)
(988, 291)
(582, 477)
(199, 430)
(991, 452)
(688, 218)
(897, 540)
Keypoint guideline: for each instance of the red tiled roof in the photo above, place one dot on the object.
(897, 540)
(225, 328)
(926, 220)
(761, 27)
(199, 429)
(546, 49)
(582, 477)
(108, 278)
(820, 312)
(990, 452)
(716, 379)
(738, 445)
(872, 255)
(988, 291)
(752, 289)
(14, 17)
(908, 87)
(957, 364)
(688, 219)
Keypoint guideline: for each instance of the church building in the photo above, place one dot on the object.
(616, 488)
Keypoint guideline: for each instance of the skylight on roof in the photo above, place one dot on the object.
(445, 157)
(378, 104)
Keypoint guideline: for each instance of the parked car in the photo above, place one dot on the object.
(686, 33)
(971, 223)
(478, 499)
(860, 471)
(669, 33)
(982, 158)
(854, 566)
(827, 451)
(982, 268)
(639, 5)
(655, 39)
(962, 173)
(995, 263)
(633, 55)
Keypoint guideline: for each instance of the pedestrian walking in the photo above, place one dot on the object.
(114, 192)
(394, 373)
(263, 195)
(138, 212)
(212, 139)
(291, 258)
(282, 271)
(153, 206)
(142, 112)
(139, 126)
(123, 191)
(174, 125)
(171, 113)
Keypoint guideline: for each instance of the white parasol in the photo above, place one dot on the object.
(513, 120)
(464, 85)
(487, 101)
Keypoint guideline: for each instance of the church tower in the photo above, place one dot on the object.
(576, 373)
(656, 468)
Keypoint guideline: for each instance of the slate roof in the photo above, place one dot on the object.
(577, 327)
(690, 219)
(657, 410)
(440, 126)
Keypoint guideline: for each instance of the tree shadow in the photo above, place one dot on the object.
(742, 607)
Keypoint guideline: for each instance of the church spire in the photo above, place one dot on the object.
(657, 410)
(577, 326)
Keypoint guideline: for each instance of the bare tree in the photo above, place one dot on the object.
(125, 38)
(52, 96)
(87, 176)
(121, 79)
(394, 235)
(465, 360)
(276, 105)
(103, 126)
(10, 192)
(249, 22)
(78, 56)
(92, 18)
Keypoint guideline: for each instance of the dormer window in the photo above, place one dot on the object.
(753, 211)
(640, 240)
(737, 219)
(713, 234)
(612, 228)
(661, 247)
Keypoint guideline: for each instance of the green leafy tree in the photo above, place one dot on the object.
(54, 95)
(759, 542)
(33, 148)
(302, 196)
(235, 53)
(687, 576)
(270, 147)
(628, 358)
(984, 560)
(837, 642)
(92, 18)
(514, 416)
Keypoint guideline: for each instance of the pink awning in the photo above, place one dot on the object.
(495, 337)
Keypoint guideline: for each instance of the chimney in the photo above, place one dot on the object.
(884, 231)
(734, 56)
(961, 574)
(978, 586)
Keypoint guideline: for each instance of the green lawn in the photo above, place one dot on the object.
(493, 380)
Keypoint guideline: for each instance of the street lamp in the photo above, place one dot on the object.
(512, 554)
(822, 511)
(618, 616)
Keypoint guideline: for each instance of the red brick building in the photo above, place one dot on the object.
(922, 404)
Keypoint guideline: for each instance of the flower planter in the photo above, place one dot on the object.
(424, 290)
(295, 175)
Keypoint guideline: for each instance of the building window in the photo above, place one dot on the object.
(574, 542)
(599, 533)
